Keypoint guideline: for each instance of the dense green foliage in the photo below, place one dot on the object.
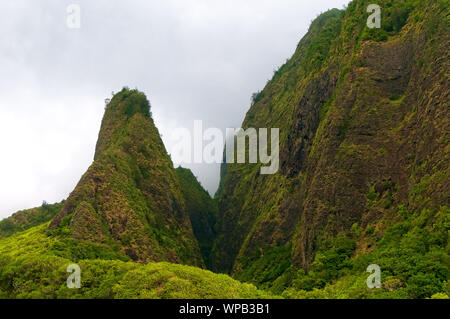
(130, 197)
(364, 179)
(28, 218)
(414, 256)
(202, 211)
(30, 269)
(267, 269)
(364, 155)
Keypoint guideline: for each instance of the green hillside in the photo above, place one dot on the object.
(364, 161)
(28, 218)
(202, 211)
(364, 179)
(129, 200)
(30, 269)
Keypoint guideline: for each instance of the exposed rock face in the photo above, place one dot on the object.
(131, 195)
(360, 112)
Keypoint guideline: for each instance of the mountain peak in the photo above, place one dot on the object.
(130, 196)
(123, 107)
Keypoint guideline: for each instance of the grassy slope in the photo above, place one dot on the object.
(25, 219)
(29, 268)
(362, 116)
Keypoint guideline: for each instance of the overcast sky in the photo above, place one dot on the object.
(195, 60)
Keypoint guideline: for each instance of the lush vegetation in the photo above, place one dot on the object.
(202, 211)
(364, 179)
(130, 197)
(414, 257)
(28, 218)
(364, 155)
(29, 268)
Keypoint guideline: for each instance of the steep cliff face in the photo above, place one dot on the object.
(364, 124)
(130, 196)
(202, 211)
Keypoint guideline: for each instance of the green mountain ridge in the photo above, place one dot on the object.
(364, 179)
(130, 197)
(202, 211)
(28, 218)
(363, 118)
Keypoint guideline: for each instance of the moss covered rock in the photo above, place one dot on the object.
(130, 196)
